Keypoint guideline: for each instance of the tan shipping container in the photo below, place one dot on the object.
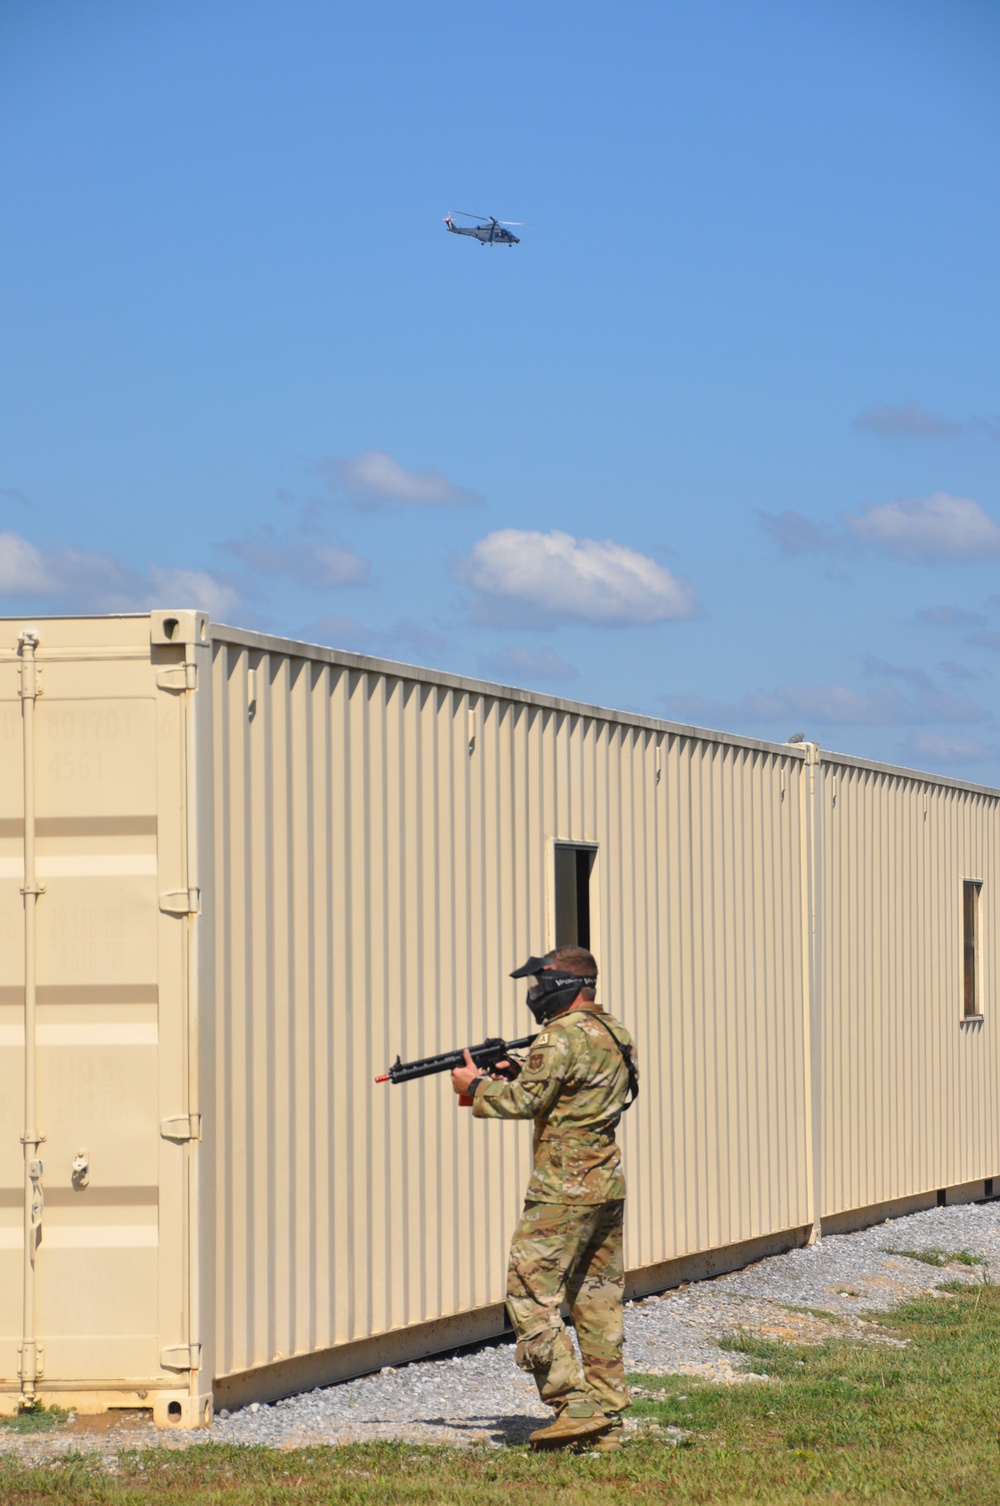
(239, 874)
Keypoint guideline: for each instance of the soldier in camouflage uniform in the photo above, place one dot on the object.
(568, 1245)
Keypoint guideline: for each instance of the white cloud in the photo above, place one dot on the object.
(983, 635)
(520, 663)
(337, 566)
(71, 577)
(372, 478)
(194, 588)
(522, 576)
(74, 580)
(22, 569)
(911, 420)
(947, 749)
(956, 671)
(908, 420)
(342, 632)
(945, 616)
(405, 634)
(795, 534)
(934, 528)
(917, 679)
(985, 638)
(395, 642)
(309, 562)
(926, 531)
(829, 706)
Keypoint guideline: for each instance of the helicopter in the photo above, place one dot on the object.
(490, 233)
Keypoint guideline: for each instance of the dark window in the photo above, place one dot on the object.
(970, 956)
(574, 866)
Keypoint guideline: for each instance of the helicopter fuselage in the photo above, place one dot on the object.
(492, 234)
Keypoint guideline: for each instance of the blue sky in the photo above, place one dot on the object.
(719, 440)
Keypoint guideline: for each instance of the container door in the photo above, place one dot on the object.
(11, 1032)
(111, 1261)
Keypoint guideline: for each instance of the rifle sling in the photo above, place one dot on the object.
(626, 1051)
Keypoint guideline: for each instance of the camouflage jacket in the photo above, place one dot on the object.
(574, 1086)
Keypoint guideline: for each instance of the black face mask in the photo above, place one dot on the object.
(552, 989)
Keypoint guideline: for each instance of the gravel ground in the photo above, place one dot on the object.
(479, 1395)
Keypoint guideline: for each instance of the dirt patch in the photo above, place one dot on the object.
(799, 1329)
(97, 1424)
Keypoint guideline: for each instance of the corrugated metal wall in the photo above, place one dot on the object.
(383, 852)
(910, 1090)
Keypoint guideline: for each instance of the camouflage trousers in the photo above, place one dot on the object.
(570, 1252)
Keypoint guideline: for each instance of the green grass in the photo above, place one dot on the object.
(939, 1258)
(814, 1312)
(36, 1420)
(838, 1423)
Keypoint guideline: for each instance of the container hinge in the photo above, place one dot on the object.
(181, 1357)
(30, 687)
(181, 1127)
(38, 1369)
(181, 902)
(178, 677)
(35, 1171)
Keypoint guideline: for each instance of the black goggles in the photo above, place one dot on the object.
(548, 979)
(552, 981)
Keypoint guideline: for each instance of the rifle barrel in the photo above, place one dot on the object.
(485, 1054)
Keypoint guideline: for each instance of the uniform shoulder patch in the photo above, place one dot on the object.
(541, 1040)
(535, 1061)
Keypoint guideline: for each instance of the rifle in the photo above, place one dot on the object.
(486, 1054)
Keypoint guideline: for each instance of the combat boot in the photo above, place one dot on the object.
(607, 1443)
(578, 1422)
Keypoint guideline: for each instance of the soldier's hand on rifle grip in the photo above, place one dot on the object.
(462, 1079)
